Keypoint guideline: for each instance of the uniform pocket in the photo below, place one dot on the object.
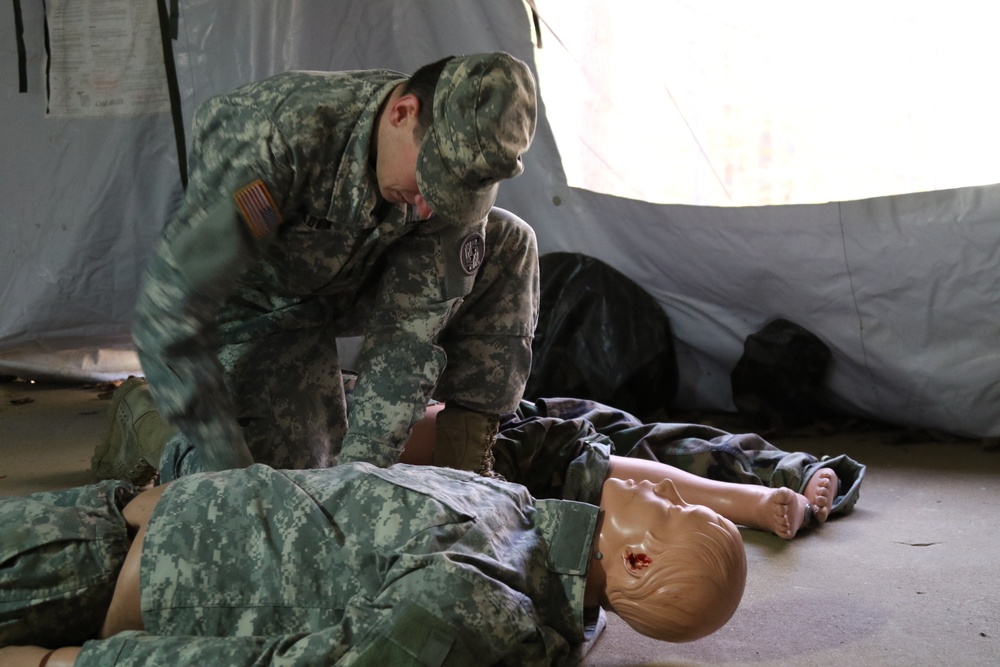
(59, 563)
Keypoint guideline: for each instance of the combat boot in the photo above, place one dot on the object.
(465, 440)
(134, 437)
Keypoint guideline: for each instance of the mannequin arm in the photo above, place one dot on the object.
(780, 511)
(30, 656)
(736, 502)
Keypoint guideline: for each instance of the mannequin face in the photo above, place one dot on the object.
(634, 511)
(672, 570)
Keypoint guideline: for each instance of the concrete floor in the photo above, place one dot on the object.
(909, 578)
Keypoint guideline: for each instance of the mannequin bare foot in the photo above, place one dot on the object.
(782, 511)
(820, 491)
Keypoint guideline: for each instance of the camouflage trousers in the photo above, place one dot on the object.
(60, 554)
(548, 446)
(287, 385)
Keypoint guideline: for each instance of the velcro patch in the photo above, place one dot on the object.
(258, 209)
(472, 252)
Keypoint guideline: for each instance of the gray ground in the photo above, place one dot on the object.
(910, 578)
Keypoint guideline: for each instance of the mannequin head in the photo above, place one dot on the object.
(671, 570)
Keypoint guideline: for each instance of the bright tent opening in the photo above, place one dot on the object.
(732, 103)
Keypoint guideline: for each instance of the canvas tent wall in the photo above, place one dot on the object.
(901, 288)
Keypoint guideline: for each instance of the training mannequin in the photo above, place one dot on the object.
(564, 448)
(781, 510)
(353, 563)
(651, 540)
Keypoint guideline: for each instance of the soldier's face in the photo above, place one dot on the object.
(396, 161)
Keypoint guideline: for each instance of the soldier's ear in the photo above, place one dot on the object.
(405, 107)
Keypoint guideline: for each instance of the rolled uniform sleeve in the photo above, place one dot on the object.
(421, 287)
(238, 155)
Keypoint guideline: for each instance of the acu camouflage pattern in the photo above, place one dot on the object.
(60, 553)
(484, 120)
(237, 335)
(560, 448)
(356, 564)
(494, 324)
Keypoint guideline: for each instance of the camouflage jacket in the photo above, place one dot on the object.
(282, 227)
(357, 565)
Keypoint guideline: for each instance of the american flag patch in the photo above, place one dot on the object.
(257, 207)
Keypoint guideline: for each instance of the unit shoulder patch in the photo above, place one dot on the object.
(472, 252)
(258, 209)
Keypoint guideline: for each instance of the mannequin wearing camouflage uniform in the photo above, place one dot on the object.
(408, 565)
(558, 447)
(301, 223)
(566, 447)
(347, 565)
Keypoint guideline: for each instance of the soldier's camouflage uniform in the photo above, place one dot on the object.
(282, 244)
(560, 448)
(348, 565)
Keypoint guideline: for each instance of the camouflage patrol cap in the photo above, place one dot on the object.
(484, 119)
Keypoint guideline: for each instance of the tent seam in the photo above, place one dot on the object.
(857, 308)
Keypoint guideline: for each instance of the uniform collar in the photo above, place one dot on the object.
(563, 523)
(355, 192)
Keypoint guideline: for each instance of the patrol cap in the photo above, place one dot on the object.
(484, 119)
